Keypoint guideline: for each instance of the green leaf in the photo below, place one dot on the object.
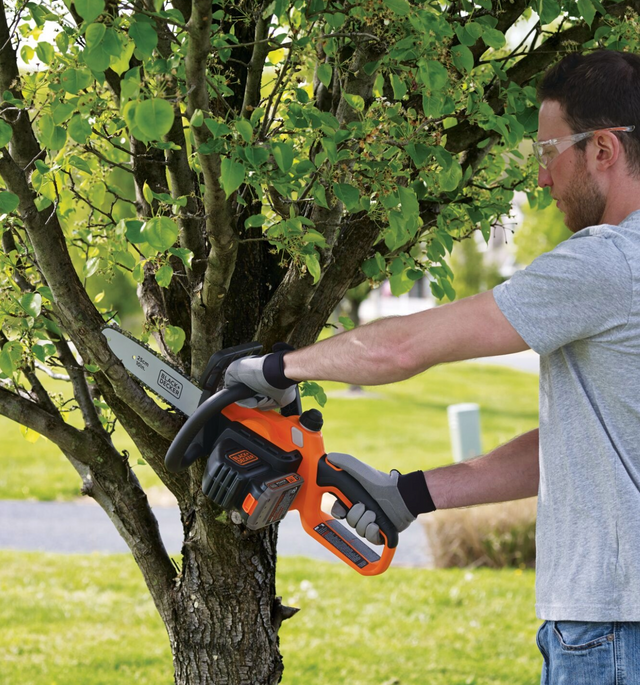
(79, 129)
(400, 7)
(62, 41)
(315, 237)
(346, 322)
(94, 34)
(354, 101)
(320, 195)
(124, 258)
(174, 337)
(138, 272)
(587, 10)
(374, 267)
(231, 175)
(348, 195)
(80, 164)
(313, 266)
(89, 9)
(161, 232)
(283, 154)
(217, 128)
(399, 87)
(450, 178)
(255, 221)
(32, 304)
(197, 118)
(164, 275)
(5, 133)
(147, 193)
(419, 153)
(462, 58)
(184, 254)
(10, 357)
(311, 389)
(27, 53)
(433, 75)
(121, 62)
(409, 201)
(144, 36)
(90, 267)
(132, 229)
(400, 282)
(97, 58)
(154, 118)
(51, 136)
(548, 10)
(493, 38)
(61, 112)
(8, 202)
(302, 96)
(325, 74)
(45, 52)
(245, 129)
(75, 80)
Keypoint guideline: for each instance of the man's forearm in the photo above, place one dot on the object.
(509, 472)
(362, 356)
(393, 349)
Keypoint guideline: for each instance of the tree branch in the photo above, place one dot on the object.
(80, 317)
(261, 49)
(207, 318)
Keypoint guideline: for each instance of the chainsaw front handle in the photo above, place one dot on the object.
(179, 457)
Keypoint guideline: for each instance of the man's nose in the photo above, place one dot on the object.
(544, 177)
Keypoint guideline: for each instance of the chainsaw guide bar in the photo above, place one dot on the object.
(161, 377)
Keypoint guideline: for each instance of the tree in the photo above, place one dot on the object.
(541, 230)
(246, 163)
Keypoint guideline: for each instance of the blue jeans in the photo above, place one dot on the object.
(580, 653)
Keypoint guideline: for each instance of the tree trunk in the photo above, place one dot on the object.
(224, 624)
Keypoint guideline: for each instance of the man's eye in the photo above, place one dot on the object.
(549, 152)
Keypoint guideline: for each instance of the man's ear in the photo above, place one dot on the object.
(608, 149)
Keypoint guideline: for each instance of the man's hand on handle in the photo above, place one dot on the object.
(402, 497)
(264, 375)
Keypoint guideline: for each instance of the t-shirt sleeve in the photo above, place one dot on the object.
(580, 289)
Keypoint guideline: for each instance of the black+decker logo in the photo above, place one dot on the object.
(170, 384)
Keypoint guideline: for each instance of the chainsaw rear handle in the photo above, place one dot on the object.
(323, 477)
(330, 476)
(178, 456)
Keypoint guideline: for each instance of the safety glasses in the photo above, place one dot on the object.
(545, 151)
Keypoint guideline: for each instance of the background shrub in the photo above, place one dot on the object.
(492, 535)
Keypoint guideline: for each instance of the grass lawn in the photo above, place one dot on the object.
(402, 425)
(89, 620)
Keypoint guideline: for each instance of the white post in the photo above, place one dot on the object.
(464, 428)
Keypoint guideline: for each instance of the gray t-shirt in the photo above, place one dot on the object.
(578, 306)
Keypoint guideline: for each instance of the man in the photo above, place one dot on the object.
(579, 308)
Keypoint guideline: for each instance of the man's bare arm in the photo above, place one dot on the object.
(509, 472)
(396, 348)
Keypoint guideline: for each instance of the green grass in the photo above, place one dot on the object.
(403, 426)
(89, 620)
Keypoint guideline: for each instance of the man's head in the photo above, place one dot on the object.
(582, 94)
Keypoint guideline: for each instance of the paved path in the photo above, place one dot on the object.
(76, 527)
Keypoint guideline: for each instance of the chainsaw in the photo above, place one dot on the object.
(260, 464)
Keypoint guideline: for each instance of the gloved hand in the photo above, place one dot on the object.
(383, 487)
(266, 376)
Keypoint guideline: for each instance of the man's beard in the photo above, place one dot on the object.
(584, 203)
